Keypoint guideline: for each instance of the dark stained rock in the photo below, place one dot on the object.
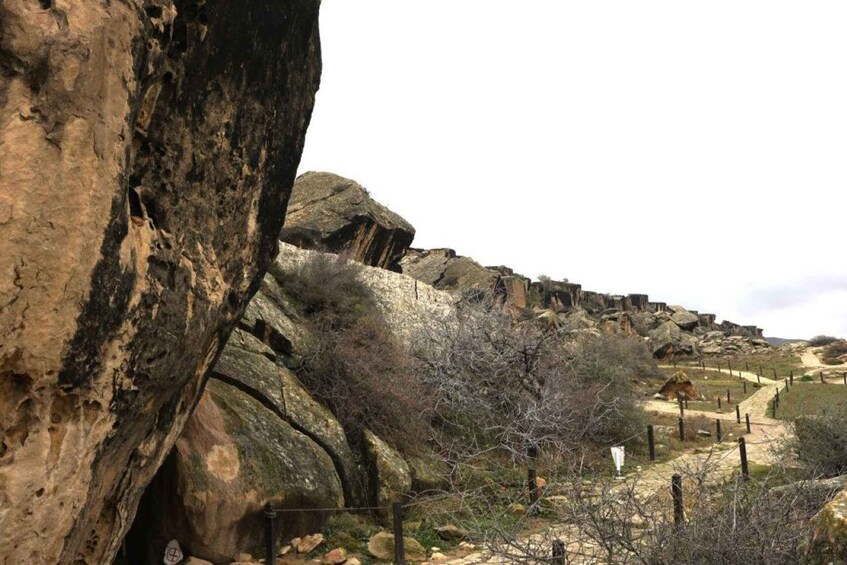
(327, 212)
(147, 152)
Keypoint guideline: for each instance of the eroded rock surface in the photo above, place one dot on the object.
(330, 213)
(147, 150)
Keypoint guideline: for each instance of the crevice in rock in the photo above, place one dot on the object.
(346, 481)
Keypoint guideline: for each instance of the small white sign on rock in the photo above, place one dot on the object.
(173, 553)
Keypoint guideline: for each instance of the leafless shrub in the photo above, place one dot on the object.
(820, 441)
(506, 383)
(821, 340)
(354, 365)
(832, 353)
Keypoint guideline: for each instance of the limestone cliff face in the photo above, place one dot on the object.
(147, 150)
(330, 213)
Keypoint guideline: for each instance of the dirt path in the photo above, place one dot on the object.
(721, 461)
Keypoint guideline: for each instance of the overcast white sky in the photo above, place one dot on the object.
(694, 151)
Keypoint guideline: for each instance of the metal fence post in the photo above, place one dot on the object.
(676, 493)
(651, 442)
(532, 482)
(270, 543)
(399, 550)
(558, 552)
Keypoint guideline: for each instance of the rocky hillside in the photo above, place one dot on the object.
(147, 152)
(336, 214)
(258, 435)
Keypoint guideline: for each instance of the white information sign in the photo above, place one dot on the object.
(618, 458)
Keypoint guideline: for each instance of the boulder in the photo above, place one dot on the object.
(389, 473)
(335, 557)
(278, 389)
(828, 540)
(668, 339)
(234, 455)
(381, 546)
(644, 322)
(451, 532)
(147, 151)
(684, 319)
(309, 543)
(327, 212)
(679, 383)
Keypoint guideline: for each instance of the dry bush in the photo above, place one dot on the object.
(832, 353)
(820, 441)
(510, 384)
(354, 365)
(821, 340)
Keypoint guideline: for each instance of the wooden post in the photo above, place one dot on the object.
(558, 552)
(742, 448)
(270, 543)
(786, 385)
(791, 378)
(747, 366)
(759, 378)
(719, 403)
(681, 429)
(651, 442)
(532, 482)
(737, 414)
(729, 366)
(774, 406)
(774, 375)
(777, 396)
(747, 419)
(718, 429)
(719, 366)
(821, 376)
(745, 386)
(845, 378)
(728, 398)
(681, 408)
(399, 550)
(676, 493)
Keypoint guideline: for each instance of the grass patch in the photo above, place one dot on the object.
(783, 363)
(713, 385)
(809, 399)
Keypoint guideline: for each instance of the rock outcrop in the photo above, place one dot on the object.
(147, 151)
(443, 269)
(257, 435)
(327, 212)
